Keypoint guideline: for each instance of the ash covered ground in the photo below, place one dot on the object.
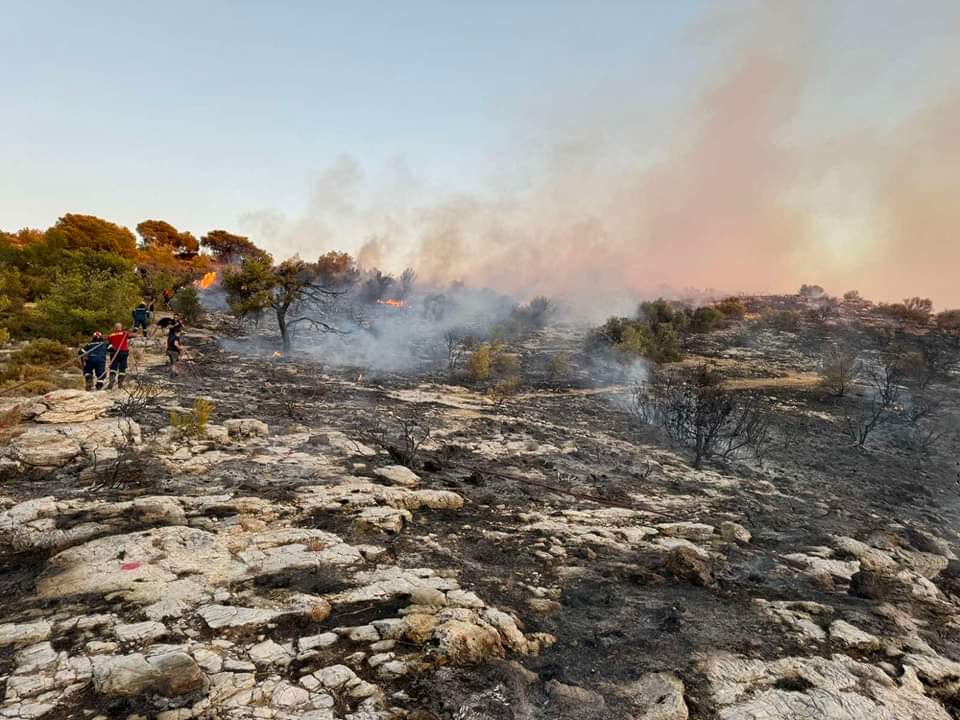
(546, 556)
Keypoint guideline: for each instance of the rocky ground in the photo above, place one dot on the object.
(545, 560)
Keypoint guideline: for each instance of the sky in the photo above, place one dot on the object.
(533, 146)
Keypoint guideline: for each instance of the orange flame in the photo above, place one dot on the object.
(206, 281)
(393, 303)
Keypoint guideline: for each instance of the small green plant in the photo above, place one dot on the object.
(193, 423)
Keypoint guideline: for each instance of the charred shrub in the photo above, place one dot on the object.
(400, 436)
(529, 319)
(732, 308)
(782, 320)
(839, 368)
(949, 321)
(695, 410)
(912, 311)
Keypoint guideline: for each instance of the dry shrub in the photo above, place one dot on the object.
(732, 308)
(559, 366)
(480, 363)
(783, 320)
(695, 410)
(839, 368)
(504, 390)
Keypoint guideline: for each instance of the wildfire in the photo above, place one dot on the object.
(393, 303)
(206, 281)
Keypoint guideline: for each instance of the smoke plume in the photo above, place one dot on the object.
(816, 143)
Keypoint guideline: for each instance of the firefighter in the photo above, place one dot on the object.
(174, 348)
(141, 317)
(94, 356)
(119, 341)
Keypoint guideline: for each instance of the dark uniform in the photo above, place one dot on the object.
(141, 316)
(173, 348)
(94, 355)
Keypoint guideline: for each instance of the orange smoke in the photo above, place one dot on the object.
(206, 281)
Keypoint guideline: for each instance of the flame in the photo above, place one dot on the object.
(206, 281)
(393, 303)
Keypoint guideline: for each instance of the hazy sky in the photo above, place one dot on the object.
(448, 129)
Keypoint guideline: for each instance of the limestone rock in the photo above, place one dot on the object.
(269, 653)
(734, 532)
(220, 616)
(143, 566)
(139, 632)
(691, 566)
(72, 406)
(573, 695)
(398, 475)
(463, 643)
(170, 674)
(24, 633)
(850, 636)
(656, 696)
(246, 428)
(688, 530)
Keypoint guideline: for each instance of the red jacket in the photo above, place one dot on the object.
(119, 341)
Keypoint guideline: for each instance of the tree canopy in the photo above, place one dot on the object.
(229, 248)
(159, 233)
(297, 291)
(88, 232)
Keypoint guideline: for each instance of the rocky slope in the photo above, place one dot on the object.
(283, 565)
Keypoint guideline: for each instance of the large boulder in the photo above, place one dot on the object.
(463, 643)
(170, 674)
(398, 475)
(143, 566)
(70, 406)
(246, 428)
(57, 445)
(690, 565)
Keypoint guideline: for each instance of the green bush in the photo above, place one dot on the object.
(655, 334)
(77, 305)
(193, 423)
(42, 351)
(706, 319)
(186, 303)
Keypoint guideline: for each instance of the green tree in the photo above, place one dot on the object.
(229, 248)
(297, 291)
(79, 303)
(159, 233)
(89, 232)
(186, 303)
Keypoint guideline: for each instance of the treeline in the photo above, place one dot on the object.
(86, 273)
